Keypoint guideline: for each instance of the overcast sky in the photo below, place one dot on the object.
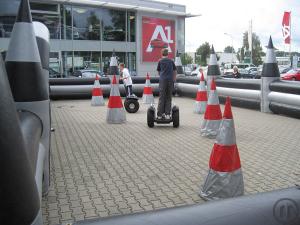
(233, 16)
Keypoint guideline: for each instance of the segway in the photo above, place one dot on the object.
(131, 103)
(152, 118)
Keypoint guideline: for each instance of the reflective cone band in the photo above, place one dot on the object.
(115, 111)
(148, 94)
(213, 116)
(225, 178)
(97, 95)
(201, 98)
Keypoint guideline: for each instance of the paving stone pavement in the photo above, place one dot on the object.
(100, 170)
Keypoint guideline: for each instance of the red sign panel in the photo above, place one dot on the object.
(286, 27)
(157, 34)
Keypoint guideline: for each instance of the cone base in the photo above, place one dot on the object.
(220, 185)
(148, 99)
(200, 107)
(116, 115)
(97, 101)
(210, 128)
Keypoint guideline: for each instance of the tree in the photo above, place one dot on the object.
(203, 52)
(257, 52)
(229, 49)
(186, 59)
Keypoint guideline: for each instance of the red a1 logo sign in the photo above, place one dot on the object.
(157, 34)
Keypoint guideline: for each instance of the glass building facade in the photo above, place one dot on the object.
(72, 22)
(84, 36)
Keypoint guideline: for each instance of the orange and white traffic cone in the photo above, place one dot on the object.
(115, 112)
(201, 98)
(148, 93)
(213, 116)
(97, 95)
(225, 177)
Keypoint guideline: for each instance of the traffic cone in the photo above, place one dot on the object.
(213, 115)
(213, 69)
(148, 94)
(115, 112)
(201, 98)
(225, 177)
(97, 95)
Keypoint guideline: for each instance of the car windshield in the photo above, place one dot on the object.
(292, 71)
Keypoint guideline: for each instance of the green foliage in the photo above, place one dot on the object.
(186, 59)
(203, 53)
(257, 52)
(229, 49)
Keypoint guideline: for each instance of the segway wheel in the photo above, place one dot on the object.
(175, 116)
(150, 117)
(131, 105)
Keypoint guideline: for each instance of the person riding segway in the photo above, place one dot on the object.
(167, 75)
(131, 101)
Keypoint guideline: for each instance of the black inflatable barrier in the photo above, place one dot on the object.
(258, 209)
(31, 127)
(20, 202)
(90, 81)
(241, 102)
(283, 109)
(289, 87)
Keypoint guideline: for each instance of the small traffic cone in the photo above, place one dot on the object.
(213, 115)
(148, 93)
(115, 112)
(97, 95)
(201, 98)
(225, 177)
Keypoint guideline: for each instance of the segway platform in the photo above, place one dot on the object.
(152, 118)
(131, 104)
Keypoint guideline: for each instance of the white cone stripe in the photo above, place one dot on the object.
(202, 86)
(117, 115)
(220, 185)
(270, 56)
(97, 84)
(148, 83)
(209, 128)
(114, 90)
(18, 50)
(226, 135)
(213, 98)
(148, 99)
(178, 61)
(199, 107)
(113, 61)
(213, 59)
(41, 31)
(97, 101)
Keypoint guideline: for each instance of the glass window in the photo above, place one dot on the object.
(67, 63)
(8, 12)
(131, 26)
(113, 25)
(86, 23)
(66, 28)
(106, 59)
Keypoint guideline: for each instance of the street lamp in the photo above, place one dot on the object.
(231, 45)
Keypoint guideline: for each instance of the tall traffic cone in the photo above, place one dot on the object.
(201, 98)
(97, 95)
(148, 94)
(115, 112)
(213, 115)
(225, 177)
(213, 69)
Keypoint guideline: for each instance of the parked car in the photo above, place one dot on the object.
(53, 73)
(250, 72)
(284, 70)
(228, 67)
(88, 73)
(293, 74)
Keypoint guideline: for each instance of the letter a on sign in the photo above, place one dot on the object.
(157, 34)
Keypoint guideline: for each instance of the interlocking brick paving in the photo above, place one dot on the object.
(101, 170)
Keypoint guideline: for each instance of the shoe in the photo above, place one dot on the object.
(167, 117)
(159, 117)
